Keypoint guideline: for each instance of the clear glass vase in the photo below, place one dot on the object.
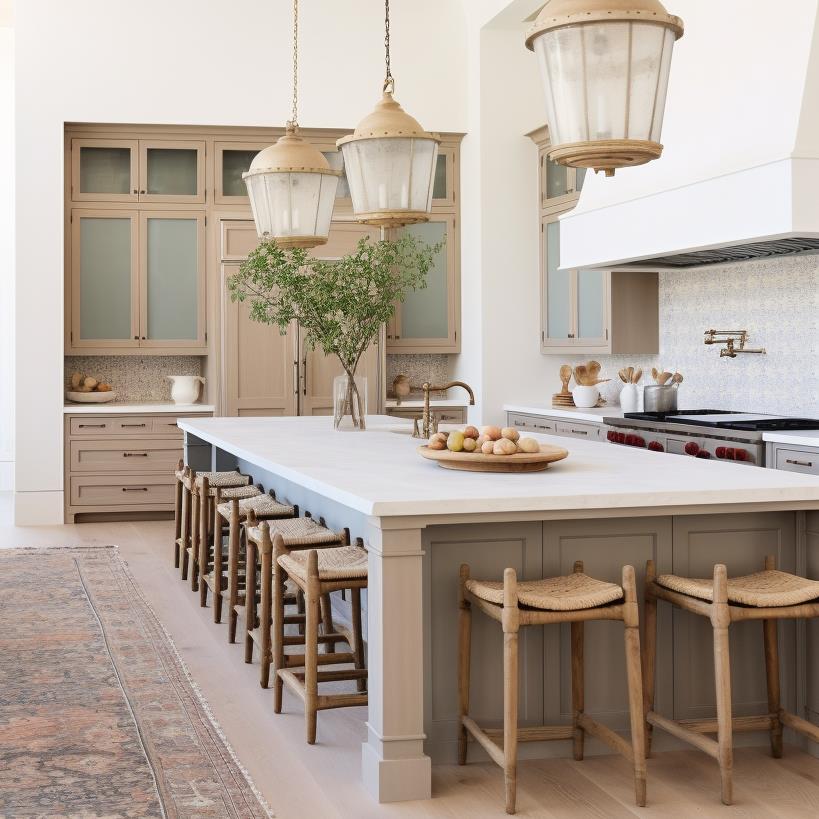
(349, 401)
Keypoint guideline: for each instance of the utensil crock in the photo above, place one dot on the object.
(185, 388)
(660, 397)
(585, 397)
(630, 398)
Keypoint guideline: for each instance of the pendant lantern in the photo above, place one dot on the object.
(291, 186)
(390, 161)
(605, 67)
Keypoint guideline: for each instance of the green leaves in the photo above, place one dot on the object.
(340, 303)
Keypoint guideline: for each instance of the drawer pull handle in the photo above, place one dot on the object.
(134, 425)
(134, 488)
(798, 463)
(95, 426)
(580, 432)
(134, 454)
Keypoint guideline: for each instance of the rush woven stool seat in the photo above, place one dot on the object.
(769, 595)
(296, 534)
(234, 512)
(317, 573)
(574, 599)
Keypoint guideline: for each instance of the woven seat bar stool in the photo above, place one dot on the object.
(574, 599)
(769, 595)
(211, 542)
(296, 533)
(227, 581)
(181, 514)
(203, 487)
(317, 572)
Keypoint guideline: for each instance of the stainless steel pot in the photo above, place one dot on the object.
(660, 398)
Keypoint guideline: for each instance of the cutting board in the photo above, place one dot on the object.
(474, 462)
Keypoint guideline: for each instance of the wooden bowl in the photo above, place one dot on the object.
(478, 462)
(90, 397)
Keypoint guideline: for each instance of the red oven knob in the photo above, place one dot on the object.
(704, 453)
(692, 448)
(721, 452)
(630, 439)
(741, 455)
(730, 453)
(611, 435)
(656, 446)
(621, 437)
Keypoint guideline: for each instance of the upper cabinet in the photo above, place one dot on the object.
(122, 170)
(587, 311)
(232, 159)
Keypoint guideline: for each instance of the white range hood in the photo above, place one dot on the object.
(739, 175)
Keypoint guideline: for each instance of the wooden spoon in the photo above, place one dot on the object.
(677, 378)
(629, 373)
(655, 374)
(581, 375)
(622, 375)
(565, 375)
(638, 374)
(594, 368)
(664, 376)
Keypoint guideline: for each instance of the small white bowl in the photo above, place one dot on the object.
(585, 397)
(91, 397)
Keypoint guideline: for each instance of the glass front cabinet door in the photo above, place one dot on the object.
(232, 160)
(426, 321)
(104, 278)
(172, 279)
(171, 171)
(104, 170)
(575, 308)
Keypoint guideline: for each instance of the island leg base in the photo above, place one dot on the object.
(399, 779)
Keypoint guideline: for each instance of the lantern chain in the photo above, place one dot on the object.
(389, 82)
(295, 118)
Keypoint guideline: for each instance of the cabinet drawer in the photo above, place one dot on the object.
(797, 460)
(128, 455)
(156, 491)
(588, 431)
(166, 425)
(111, 425)
(449, 416)
(535, 423)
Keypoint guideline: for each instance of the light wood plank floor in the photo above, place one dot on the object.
(323, 781)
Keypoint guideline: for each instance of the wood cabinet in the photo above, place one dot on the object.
(587, 311)
(231, 160)
(792, 458)
(138, 170)
(119, 465)
(265, 372)
(137, 280)
(557, 425)
(428, 320)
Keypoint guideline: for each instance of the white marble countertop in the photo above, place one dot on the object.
(418, 403)
(123, 407)
(595, 414)
(379, 473)
(807, 437)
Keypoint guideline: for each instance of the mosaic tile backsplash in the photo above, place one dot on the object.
(776, 300)
(136, 378)
(418, 368)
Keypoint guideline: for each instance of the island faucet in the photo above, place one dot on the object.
(426, 425)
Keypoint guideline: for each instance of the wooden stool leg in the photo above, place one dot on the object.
(233, 569)
(578, 680)
(204, 542)
(649, 649)
(177, 517)
(250, 599)
(300, 609)
(327, 626)
(217, 563)
(358, 638)
(464, 661)
(192, 561)
(186, 532)
(312, 605)
(265, 606)
(277, 650)
(720, 619)
(772, 674)
(511, 623)
(631, 621)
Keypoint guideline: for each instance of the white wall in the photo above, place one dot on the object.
(184, 62)
(6, 249)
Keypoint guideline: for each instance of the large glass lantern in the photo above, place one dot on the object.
(390, 164)
(604, 66)
(292, 191)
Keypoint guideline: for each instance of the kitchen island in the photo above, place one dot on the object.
(604, 505)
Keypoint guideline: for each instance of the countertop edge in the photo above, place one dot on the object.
(594, 415)
(121, 409)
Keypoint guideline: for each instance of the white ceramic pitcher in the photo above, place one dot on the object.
(185, 388)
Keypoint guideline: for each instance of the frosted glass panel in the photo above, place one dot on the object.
(105, 278)
(557, 179)
(234, 164)
(172, 171)
(558, 287)
(424, 313)
(439, 184)
(590, 304)
(580, 176)
(336, 160)
(173, 280)
(105, 170)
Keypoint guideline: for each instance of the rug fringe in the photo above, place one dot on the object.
(197, 690)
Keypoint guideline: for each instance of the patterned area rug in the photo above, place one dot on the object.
(98, 714)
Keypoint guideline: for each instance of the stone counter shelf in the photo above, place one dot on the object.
(607, 506)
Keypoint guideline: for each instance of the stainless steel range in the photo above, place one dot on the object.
(720, 434)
